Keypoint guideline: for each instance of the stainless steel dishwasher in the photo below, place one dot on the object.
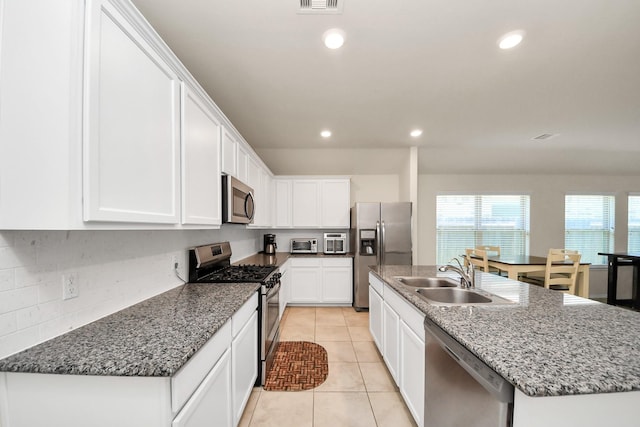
(460, 389)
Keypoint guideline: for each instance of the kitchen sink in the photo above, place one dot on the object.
(428, 282)
(458, 296)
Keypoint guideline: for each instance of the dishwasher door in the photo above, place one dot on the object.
(460, 390)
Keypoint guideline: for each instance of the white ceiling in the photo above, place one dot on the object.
(432, 64)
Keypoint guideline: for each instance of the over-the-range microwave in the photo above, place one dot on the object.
(238, 204)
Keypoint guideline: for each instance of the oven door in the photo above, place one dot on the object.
(270, 327)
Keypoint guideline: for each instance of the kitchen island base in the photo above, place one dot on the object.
(585, 410)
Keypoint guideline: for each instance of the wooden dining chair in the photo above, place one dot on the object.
(563, 251)
(561, 273)
(492, 250)
(478, 258)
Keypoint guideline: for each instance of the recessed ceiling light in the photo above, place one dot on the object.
(511, 39)
(416, 133)
(325, 133)
(333, 38)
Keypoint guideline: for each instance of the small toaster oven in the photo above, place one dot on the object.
(304, 246)
(335, 243)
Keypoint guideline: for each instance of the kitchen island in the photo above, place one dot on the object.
(573, 361)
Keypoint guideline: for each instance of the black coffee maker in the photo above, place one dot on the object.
(270, 245)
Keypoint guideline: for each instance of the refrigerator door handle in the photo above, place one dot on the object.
(382, 245)
(378, 244)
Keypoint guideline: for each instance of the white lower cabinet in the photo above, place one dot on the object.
(211, 401)
(321, 281)
(306, 281)
(375, 317)
(285, 286)
(337, 280)
(398, 331)
(211, 389)
(244, 364)
(411, 371)
(391, 340)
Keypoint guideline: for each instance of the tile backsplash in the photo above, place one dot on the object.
(113, 270)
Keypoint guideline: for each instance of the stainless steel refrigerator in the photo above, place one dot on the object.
(380, 235)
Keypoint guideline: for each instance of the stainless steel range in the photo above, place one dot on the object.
(212, 264)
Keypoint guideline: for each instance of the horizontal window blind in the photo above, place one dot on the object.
(589, 224)
(633, 241)
(467, 221)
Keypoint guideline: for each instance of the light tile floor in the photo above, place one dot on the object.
(359, 390)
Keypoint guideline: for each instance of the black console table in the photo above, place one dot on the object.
(622, 259)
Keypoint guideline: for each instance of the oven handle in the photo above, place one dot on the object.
(249, 206)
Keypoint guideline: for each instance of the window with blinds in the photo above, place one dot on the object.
(633, 240)
(468, 221)
(589, 225)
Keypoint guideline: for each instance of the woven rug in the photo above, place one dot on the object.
(297, 366)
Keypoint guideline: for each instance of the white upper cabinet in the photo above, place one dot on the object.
(229, 153)
(102, 127)
(312, 202)
(306, 203)
(254, 181)
(40, 115)
(335, 196)
(131, 123)
(243, 164)
(283, 208)
(201, 182)
(260, 180)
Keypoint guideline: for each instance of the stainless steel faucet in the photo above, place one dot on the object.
(467, 275)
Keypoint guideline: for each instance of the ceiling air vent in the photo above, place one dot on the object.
(544, 136)
(321, 7)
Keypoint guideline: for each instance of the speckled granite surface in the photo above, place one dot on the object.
(280, 258)
(152, 338)
(546, 343)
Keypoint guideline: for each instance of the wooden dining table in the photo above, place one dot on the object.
(516, 265)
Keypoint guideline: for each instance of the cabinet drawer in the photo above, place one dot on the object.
(187, 379)
(241, 316)
(336, 262)
(376, 283)
(305, 262)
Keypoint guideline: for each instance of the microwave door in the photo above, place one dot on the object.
(239, 205)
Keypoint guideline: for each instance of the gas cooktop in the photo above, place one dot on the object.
(239, 273)
(211, 264)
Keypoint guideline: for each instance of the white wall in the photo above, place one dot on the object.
(334, 161)
(115, 270)
(547, 210)
(375, 188)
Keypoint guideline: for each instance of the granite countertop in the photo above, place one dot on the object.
(546, 343)
(279, 258)
(153, 338)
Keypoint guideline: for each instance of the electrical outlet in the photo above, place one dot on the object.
(70, 286)
(175, 264)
